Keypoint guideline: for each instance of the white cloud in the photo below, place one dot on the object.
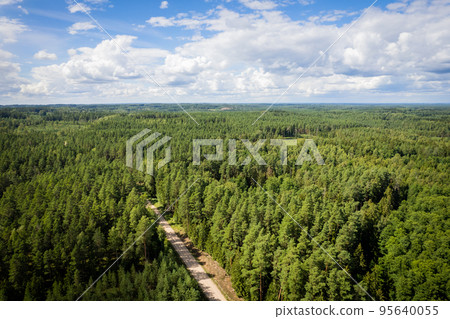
(160, 22)
(9, 29)
(79, 7)
(93, 69)
(340, 83)
(164, 5)
(333, 16)
(10, 79)
(80, 26)
(385, 48)
(7, 2)
(305, 2)
(256, 56)
(183, 22)
(178, 65)
(44, 55)
(83, 7)
(259, 5)
(4, 55)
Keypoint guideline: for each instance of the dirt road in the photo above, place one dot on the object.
(208, 287)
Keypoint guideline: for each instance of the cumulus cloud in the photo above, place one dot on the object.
(80, 26)
(78, 7)
(44, 55)
(385, 48)
(397, 5)
(9, 29)
(187, 23)
(164, 5)
(93, 68)
(4, 55)
(400, 50)
(10, 79)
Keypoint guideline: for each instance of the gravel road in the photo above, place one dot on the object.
(208, 287)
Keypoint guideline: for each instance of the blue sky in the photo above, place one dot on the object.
(224, 51)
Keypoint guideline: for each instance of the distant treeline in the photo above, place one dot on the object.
(193, 107)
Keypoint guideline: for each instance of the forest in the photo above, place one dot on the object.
(69, 205)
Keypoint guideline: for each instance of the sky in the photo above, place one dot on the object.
(224, 51)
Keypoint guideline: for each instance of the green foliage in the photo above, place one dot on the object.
(69, 208)
(379, 206)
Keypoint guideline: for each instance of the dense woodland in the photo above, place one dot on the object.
(69, 206)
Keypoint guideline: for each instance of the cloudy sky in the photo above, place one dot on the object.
(109, 51)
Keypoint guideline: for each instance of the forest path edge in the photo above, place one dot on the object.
(207, 285)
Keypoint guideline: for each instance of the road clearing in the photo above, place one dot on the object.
(209, 288)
